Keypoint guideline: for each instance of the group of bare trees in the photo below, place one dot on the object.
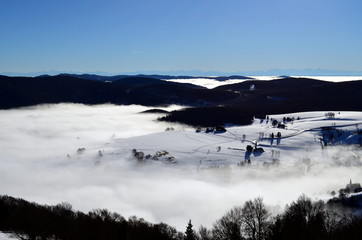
(302, 219)
(249, 221)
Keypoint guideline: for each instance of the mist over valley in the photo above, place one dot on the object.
(84, 155)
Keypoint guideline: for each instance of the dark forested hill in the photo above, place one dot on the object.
(234, 103)
(153, 76)
(259, 98)
(26, 91)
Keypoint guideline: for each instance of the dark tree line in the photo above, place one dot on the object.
(305, 219)
(302, 219)
(26, 220)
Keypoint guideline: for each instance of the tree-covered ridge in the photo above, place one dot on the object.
(302, 219)
(232, 103)
(26, 220)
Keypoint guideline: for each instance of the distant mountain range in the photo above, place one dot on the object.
(153, 76)
(233, 103)
(270, 72)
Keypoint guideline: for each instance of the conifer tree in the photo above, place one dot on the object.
(189, 234)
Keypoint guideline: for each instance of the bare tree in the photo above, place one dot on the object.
(228, 227)
(254, 219)
(250, 221)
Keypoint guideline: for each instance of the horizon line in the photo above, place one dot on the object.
(199, 73)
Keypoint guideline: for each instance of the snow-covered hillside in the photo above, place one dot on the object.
(85, 156)
(305, 137)
(4, 236)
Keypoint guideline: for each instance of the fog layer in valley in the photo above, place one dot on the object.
(212, 83)
(40, 162)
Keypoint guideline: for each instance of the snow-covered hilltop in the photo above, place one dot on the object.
(281, 140)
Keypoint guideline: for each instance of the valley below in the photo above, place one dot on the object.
(86, 155)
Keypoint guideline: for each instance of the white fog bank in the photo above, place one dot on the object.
(212, 83)
(40, 162)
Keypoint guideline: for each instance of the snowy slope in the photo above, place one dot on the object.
(4, 236)
(194, 150)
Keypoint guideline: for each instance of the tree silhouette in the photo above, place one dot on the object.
(189, 234)
(251, 221)
(205, 234)
(254, 219)
(303, 219)
(228, 227)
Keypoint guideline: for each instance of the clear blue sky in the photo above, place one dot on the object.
(169, 35)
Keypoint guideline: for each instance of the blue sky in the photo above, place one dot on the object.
(118, 36)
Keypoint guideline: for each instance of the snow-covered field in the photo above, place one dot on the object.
(83, 155)
(4, 236)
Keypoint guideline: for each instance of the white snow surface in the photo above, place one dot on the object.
(4, 236)
(199, 175)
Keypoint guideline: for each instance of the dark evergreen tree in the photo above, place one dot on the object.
(190, 233)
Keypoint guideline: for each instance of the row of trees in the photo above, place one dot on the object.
(302, 219)
(26, 220)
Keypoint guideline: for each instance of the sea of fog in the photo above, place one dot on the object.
(212, 83)
(39, 162)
